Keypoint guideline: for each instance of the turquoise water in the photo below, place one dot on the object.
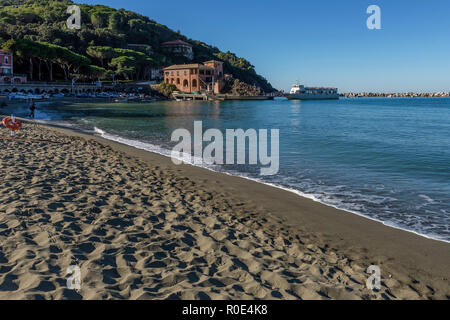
(387, 159)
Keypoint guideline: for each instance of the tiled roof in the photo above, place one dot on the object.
(188, 66)
(213, 61)
(176, 42)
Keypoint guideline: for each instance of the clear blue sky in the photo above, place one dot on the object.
(320, 42)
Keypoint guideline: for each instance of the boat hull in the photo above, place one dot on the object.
(305, 96)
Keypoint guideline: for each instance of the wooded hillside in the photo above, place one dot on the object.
(46, 49)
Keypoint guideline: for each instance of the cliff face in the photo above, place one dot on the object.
(45, 21)
(239, 88)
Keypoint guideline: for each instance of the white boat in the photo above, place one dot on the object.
(300, 92)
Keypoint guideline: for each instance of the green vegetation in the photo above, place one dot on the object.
(11, 2)
(47, 50)
(166, 89)
(44, 53)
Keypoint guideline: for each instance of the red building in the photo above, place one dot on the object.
(7, 70)
(218, 68)
(196, 77)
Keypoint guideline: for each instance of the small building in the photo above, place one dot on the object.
(7, 75)
(6, 63)
(196, 77)
(179, 47)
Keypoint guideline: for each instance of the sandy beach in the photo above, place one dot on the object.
(140, 227)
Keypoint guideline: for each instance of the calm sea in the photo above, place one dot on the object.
(386, 159)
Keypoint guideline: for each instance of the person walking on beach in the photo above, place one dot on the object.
(32, 108)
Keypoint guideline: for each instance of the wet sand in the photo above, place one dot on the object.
(140, 227)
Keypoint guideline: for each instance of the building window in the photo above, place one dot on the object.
(6, 60)
(178, 80)
(194, 83)
(185, 83)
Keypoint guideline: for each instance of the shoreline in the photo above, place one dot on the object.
(303, 196)
(326, 246)
(358, 219)
(159, 151)
(102, 134)
(359, 239)
(123, 141)
(349, 218)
